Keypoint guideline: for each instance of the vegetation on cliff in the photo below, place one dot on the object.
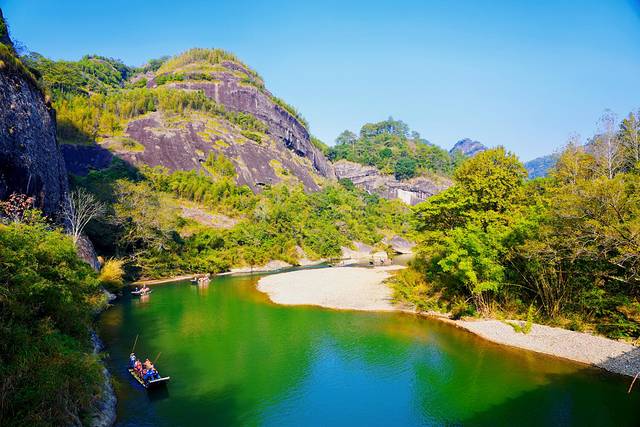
(393, 149)
(146, 220)
(567, 245)
(48, 372)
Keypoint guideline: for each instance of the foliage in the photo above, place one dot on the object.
(391, 147)
(48, 373)
(112, 274)
(91, 74)
(154, 64)
(147, 224)
(405, 168)
(83, 119)
(567, 247)
(11, 63)
(291, 110)
(15, 207)
(324, 148)
(219, 166)
(209, 56)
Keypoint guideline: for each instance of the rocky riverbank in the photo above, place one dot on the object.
(354, 288)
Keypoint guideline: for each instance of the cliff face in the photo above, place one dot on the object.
(30, 159)
(370, 179)
(228, 89)
(185, 144)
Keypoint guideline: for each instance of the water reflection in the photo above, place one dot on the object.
(237, 359)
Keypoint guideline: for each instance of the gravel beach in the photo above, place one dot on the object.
(356, 288)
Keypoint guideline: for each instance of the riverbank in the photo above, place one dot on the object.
(355, 288)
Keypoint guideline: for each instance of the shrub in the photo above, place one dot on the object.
(112, 274)
(48, 298)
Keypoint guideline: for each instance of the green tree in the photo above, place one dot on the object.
(405, 168)
(492, 179)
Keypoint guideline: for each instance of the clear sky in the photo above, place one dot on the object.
(502, 72)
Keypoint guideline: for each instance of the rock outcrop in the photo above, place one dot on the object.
(227, 88)
(468, 147)
(400, 245)
(30, 159)
(370, 179)
(185, 144)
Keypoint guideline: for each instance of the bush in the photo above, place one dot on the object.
(48, 298)
(112, 274)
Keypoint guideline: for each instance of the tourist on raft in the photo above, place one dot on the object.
(145, 371)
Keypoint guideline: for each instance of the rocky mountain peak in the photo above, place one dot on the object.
(468, 147)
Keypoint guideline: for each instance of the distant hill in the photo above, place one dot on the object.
(393, 148)
(468, 147)
(540, 166)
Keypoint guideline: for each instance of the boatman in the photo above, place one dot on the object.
(132, 360)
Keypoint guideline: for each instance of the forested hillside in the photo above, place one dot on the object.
(563, 250)
(394, 149)
(183, 222)
(199, 181)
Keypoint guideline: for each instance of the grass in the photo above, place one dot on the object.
(528, 324)
(123, 143)
(8, 61)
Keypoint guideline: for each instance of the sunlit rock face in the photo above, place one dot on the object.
(370, 179)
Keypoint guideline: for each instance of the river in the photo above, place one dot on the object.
(237, 359)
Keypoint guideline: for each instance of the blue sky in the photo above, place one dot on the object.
(503, 72)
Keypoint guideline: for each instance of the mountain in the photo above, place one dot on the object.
(468, 147)
(30, 158)
(197, 107)
(539, 167)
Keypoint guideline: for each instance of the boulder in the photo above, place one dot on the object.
(399, 245)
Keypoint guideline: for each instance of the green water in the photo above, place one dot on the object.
(236, 359)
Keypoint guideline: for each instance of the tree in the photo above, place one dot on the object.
(405, 168)
(346, 138)
(606, 146)
(629, 136)
(574, 164)
(78, 209)
(492, 178)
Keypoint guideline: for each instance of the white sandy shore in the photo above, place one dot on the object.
(348, 288)
(354, 288)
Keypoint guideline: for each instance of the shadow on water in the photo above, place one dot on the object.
(158, 394)
(568, 401)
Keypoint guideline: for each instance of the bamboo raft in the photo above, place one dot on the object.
(149, 384)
